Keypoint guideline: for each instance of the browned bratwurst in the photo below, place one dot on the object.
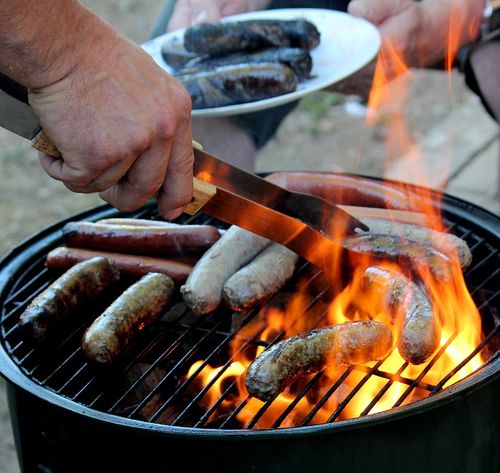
(202, 292)
(279, 365)
(343, 189)
(64, 257)
(139, 306)
(448, 244)
(410, 254)
(418, 326)
(55, 305)
(178, 239)
(263, 277)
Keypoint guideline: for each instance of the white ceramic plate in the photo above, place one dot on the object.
(347, 44)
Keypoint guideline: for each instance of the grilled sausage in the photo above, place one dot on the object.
(450, 245)
(136, 222)
(410, 254)
(175, 240)
(53, 307)
(138, 307)
(202, 292)
(263, 277)
(227, 37)
(133, 265)
(299, 60)
(238, 83)
(279, 365)
(344, 189)
(418, 326)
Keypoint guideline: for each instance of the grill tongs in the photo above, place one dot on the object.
(304, 223)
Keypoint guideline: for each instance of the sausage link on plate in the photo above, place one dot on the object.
(52, 308)
(263, 277)
(139, 306)
(202, 292)
(279, 365)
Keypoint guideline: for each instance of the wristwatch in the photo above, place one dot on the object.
(491, 18)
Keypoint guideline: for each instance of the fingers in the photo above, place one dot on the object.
(177, 188)
(192, 12)
(375, 11)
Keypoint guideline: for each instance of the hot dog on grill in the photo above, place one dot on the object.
(178, 239)
(202, 292)
(138, 307)
(344, 189)
(64, 257)
(263, 277)
(279, 365)
(418, 326)
(56, 304)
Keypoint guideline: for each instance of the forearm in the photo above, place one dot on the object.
(446, 25)
(42, 42)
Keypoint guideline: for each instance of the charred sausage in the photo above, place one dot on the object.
(171, 240)
(238, 83)
(64, 257)
(418, 326)
(263, 277)
(299, 60)
(53, 307)
(223, 38)
(202, 291)
(279, 365)
(138, 307)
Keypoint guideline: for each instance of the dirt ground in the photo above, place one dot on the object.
(314, 136)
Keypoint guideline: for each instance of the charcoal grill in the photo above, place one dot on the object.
(147, 413)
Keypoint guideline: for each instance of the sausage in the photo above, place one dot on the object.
(137, 222)
(53, 307)
(418, 326)
(413, 255)
(299, 60)
(263, 277)
(175, 240)
(202, 292)
(238, 83)
(450, 245)
(133, 265)
(138, 307)
(227, 37)
(281, 364)
(344, 189)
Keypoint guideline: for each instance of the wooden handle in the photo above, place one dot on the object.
(202, 193)
(42, 143)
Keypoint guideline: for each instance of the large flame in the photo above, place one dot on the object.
(344, 392)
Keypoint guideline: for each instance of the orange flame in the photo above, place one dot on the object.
(345, 392)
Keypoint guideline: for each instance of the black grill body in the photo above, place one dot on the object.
(452, 430)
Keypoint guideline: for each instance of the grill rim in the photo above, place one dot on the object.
(38, 243)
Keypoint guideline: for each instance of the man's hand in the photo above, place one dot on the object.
(191, 12)
(121, 123)
(123, 128)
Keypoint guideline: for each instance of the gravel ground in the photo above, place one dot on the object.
(315, 136)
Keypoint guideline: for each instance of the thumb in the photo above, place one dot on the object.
(374, 10)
